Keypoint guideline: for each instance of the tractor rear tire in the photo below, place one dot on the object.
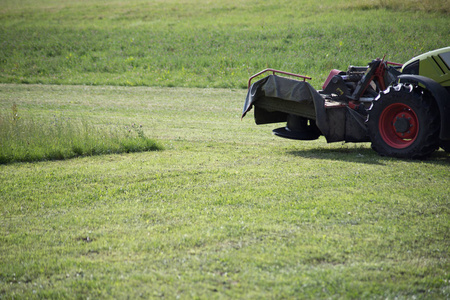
(403, 122)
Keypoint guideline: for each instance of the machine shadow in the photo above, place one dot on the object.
(365, 156)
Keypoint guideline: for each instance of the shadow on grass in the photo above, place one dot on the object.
(439, 157)
(365, 155)
(361, 155)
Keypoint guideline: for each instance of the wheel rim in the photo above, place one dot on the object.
(398, 125)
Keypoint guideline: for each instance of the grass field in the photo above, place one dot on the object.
(200, 43)
(226, 210)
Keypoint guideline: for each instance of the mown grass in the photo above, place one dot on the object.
(24, 139)
(226, 211)
(207, 44)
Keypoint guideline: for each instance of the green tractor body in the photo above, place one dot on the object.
(434, 65)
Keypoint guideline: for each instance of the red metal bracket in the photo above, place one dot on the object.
(393, 63)
(276, 71)
(379, 73)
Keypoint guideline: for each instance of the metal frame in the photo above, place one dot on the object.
(277, 71)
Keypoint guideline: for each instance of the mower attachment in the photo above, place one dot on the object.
(307, 113)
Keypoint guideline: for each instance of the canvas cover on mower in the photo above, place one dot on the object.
(275, 98)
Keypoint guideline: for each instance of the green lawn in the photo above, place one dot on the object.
(200, 43)
(227, 210)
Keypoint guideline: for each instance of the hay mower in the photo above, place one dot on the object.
(402, 109)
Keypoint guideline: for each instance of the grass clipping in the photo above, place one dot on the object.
(26, 140)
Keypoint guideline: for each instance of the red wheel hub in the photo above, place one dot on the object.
(398, 125)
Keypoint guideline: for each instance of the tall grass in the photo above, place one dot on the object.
(24, 138)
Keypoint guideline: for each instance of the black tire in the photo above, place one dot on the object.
(403, 122)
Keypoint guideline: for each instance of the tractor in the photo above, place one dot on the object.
(403, 110)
